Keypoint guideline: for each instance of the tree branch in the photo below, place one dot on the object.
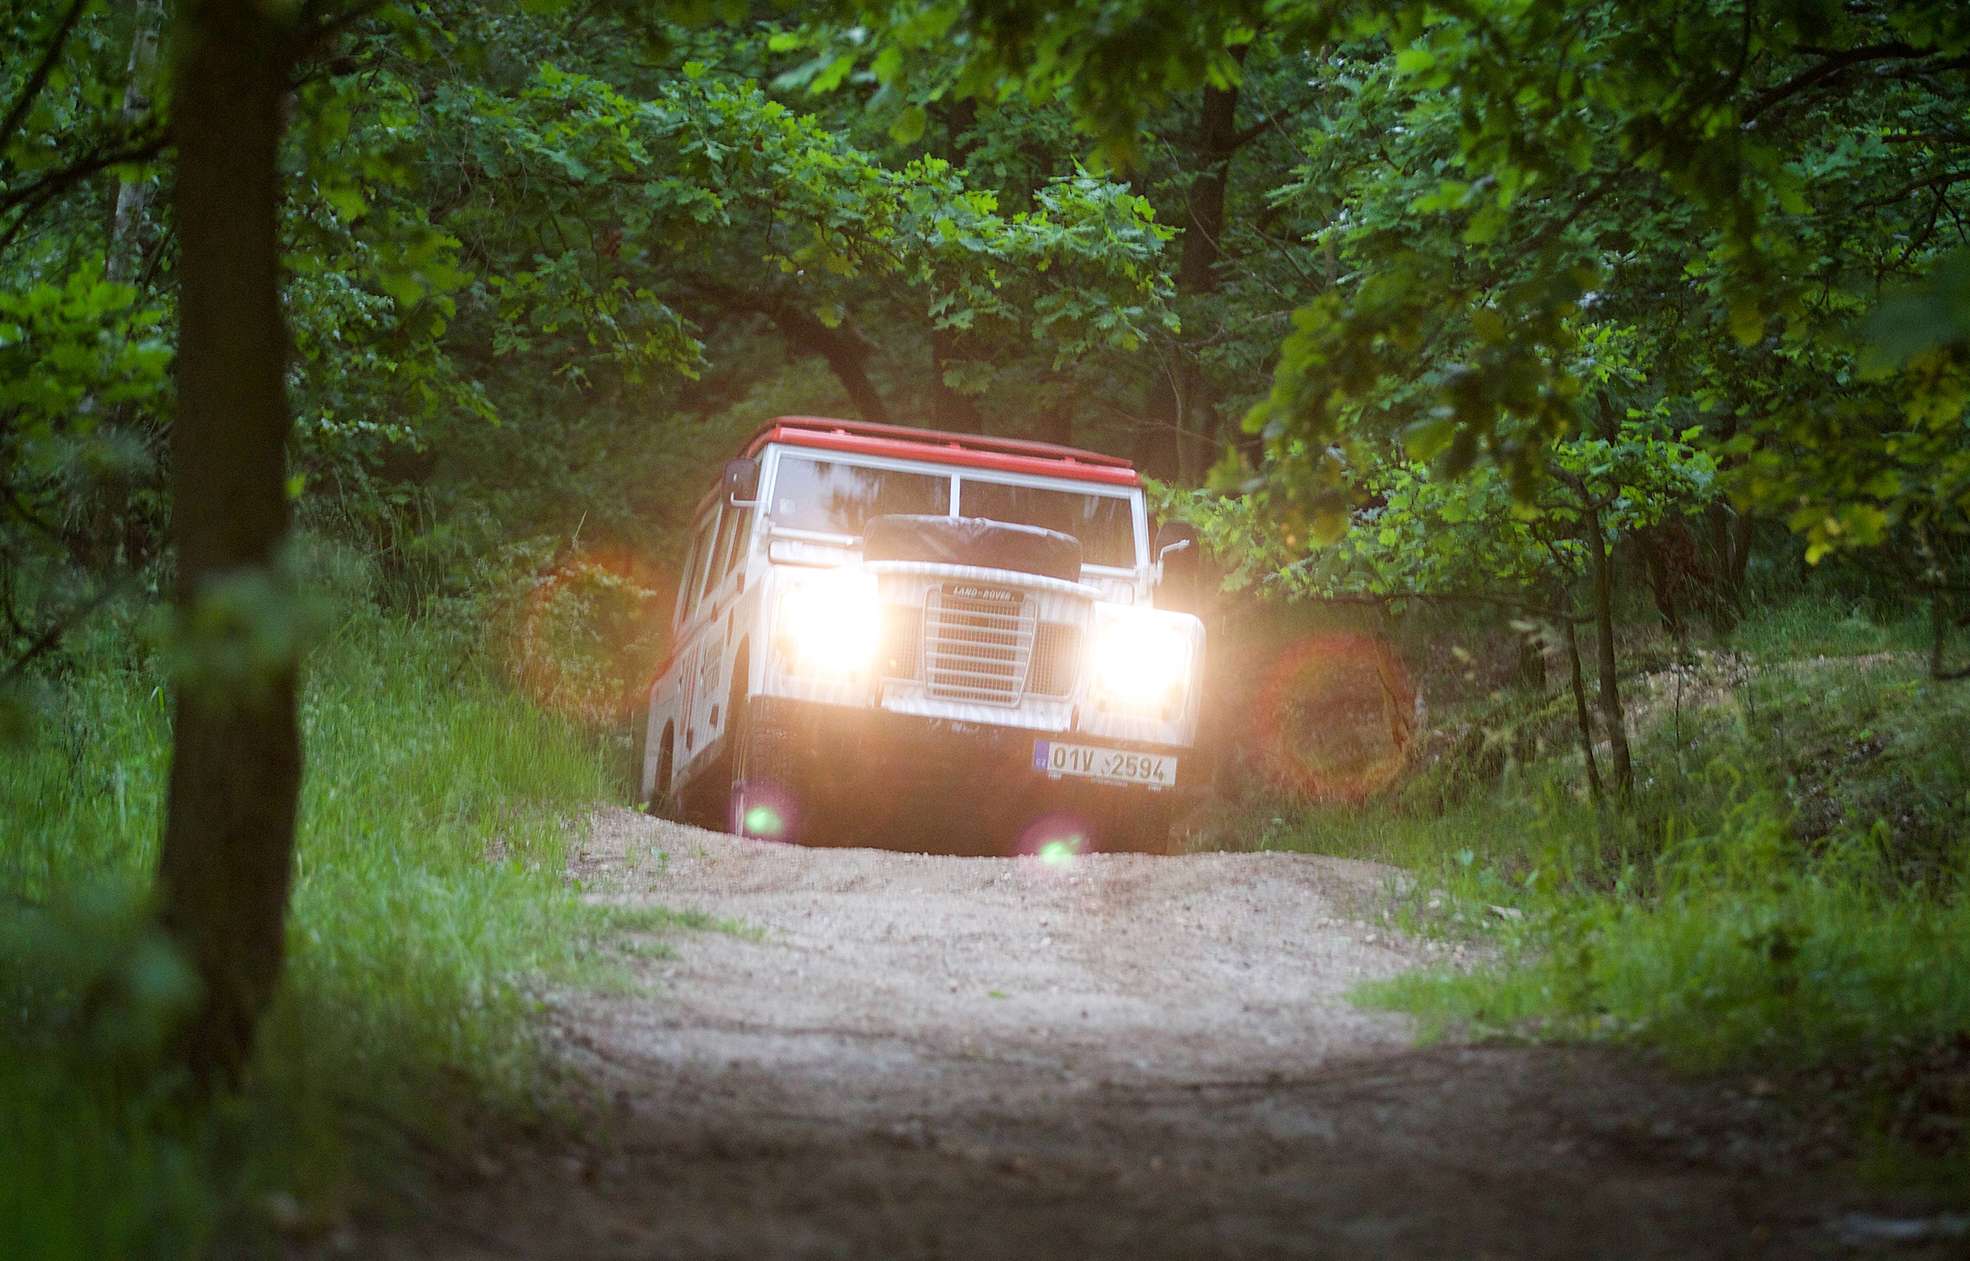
(1834, 63)
(54, 182)
(317, 28)
(32, 198)
(1938, 181)
(39, 79)
(844, 347)
(53, 635)
(1240, 139)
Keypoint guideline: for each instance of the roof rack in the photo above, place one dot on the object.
(791, 427)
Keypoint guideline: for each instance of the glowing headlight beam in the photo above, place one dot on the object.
(1141, 660)
(831, 623)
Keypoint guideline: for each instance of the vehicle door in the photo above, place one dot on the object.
(692, 639)
(724, 585)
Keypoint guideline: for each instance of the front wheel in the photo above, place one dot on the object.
(639, 740)
(766, 801)
(663, 795)
(657, 799)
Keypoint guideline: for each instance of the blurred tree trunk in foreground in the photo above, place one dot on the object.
(236, 758)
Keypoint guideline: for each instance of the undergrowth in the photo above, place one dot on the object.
(1788, 891)
(430, 908)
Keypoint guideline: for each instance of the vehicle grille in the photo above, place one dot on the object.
(902, 636)
(1054, 653)
(978, 643)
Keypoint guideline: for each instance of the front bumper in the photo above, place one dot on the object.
(870, 746)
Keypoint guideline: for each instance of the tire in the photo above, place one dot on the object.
(659, 801)
(639, 738)
(663, 795)
(766, 797)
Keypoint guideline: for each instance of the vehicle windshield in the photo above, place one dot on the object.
(1104, 523)
(835, 498)
(832, 497)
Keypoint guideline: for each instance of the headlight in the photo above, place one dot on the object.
(1141, 660)
(829, 623)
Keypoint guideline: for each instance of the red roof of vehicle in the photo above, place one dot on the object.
(1008, 455)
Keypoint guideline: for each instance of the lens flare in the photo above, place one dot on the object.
(763, 821)
(586, 640)
(1060, 853)
(1055, 839)
(1337, 718)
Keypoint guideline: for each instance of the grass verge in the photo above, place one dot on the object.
(1788, 893)
(430, 909)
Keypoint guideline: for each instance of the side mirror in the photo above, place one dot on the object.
(1178, 560)
(742, 482)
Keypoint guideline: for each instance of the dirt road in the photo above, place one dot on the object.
(1113, 1056)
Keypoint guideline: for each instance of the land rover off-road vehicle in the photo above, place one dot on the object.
(886, 633)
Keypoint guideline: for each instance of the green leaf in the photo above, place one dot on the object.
(1485, 225)
(346, 200)
(907, 128)
(1747, 321)
(1414, 60)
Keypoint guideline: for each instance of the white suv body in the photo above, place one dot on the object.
(806, 658)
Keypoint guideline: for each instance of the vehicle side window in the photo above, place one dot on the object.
(706, 531)
(722, 549)
(683, 605)
(736, 544)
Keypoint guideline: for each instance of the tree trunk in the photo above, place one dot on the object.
(1665, 582)
(1611, 716)
(1583, 720)
(228, 849)
(1181, 426)
(1727, 603)
(1730, 545)
(1939, 628)
(845, 349)
(1054, 405)
(1529, 670)
(126, 231)
(116, 535)
(1740, 559)
(1157, 449)
(843, 346)
(950, 409)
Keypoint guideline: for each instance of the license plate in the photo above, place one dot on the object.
(1091, 762)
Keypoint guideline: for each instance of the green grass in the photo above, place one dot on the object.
(430, 908)
(1789, 891)
(1821, 625)
(1744, 951)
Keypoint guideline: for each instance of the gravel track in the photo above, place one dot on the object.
(899, 1055)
